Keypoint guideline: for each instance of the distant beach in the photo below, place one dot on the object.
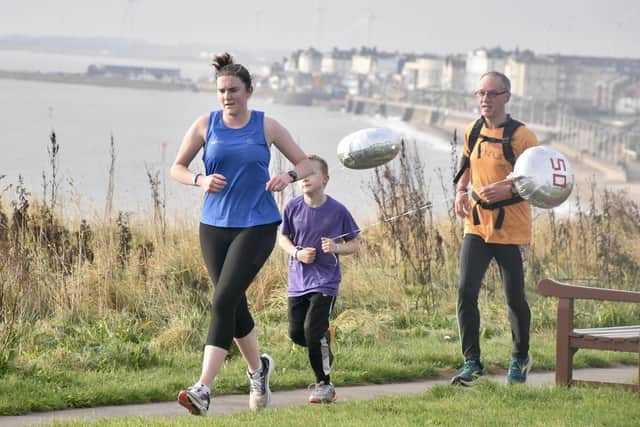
(587, 170)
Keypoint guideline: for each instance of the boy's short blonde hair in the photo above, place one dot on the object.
(324, 167)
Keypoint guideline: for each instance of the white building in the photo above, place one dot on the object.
(430, 72)
(291, 65)
(481, 61)
(370, 61)
(363, 63)
(336, 62)
(424, 72)
(628, 100)
(453, 73)
(387, 63)
(534, 77)
(410, 73)
(578, 77)
(310, 61)
(609, 90)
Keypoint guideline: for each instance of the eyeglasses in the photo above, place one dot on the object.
(489, 94)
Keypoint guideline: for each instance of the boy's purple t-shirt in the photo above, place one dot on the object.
(305, 226)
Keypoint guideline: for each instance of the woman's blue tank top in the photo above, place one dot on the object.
(242, 156)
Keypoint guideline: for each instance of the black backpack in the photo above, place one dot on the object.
(510, 127)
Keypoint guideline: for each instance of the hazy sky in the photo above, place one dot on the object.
(587, 27)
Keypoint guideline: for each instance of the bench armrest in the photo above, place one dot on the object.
(552, 288)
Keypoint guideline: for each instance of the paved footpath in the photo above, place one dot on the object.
(229, 404)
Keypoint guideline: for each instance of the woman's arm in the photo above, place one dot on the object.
(279, 136)
(192, 142)
(286, 244)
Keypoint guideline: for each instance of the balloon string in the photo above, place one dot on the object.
(361, 229)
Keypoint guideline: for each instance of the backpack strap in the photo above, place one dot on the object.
(465, 163)
(491, 206)
(510, 127)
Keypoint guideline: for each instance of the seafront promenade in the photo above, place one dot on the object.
(609, 164)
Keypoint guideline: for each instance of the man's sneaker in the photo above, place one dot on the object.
(259, 391)
(196, 399)
(518, 370)
(469, 374)
(323, 393)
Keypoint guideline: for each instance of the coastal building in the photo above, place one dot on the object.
(628, 100)
(424, 72)
(578, 78)
(533, 77)
(410, 75)
(387, 63)
(368, 61)
(336, 62)
(291, 62)
(430, 72)
(480, 61)
(364, 61)
(608, 91)
(310, 61)
(453, 73)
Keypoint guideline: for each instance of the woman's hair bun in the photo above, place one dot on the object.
(221, 60)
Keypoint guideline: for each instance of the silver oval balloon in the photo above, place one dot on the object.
(368, 148)
(542, 176)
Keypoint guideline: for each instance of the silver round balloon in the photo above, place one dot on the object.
(542, 176)
(369, 148)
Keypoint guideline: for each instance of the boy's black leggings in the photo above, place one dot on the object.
(308, 327)
(475, 257)
(233, 257)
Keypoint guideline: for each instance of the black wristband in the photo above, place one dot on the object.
(293, 174)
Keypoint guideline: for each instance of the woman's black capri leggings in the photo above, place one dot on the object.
(233, 257)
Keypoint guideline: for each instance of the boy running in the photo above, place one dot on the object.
(315, 230)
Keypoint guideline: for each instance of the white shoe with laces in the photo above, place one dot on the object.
(259, 391)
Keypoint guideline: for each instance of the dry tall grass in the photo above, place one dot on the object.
(54, 267)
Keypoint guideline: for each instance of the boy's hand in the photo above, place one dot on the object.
(307, 255)
(328, 245)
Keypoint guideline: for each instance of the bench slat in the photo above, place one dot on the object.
(630, 332)
(606, 334)
(605, 344)
(633, 328)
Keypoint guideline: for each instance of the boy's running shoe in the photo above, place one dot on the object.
(323, 393)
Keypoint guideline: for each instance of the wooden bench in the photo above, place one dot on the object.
(570, 340)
